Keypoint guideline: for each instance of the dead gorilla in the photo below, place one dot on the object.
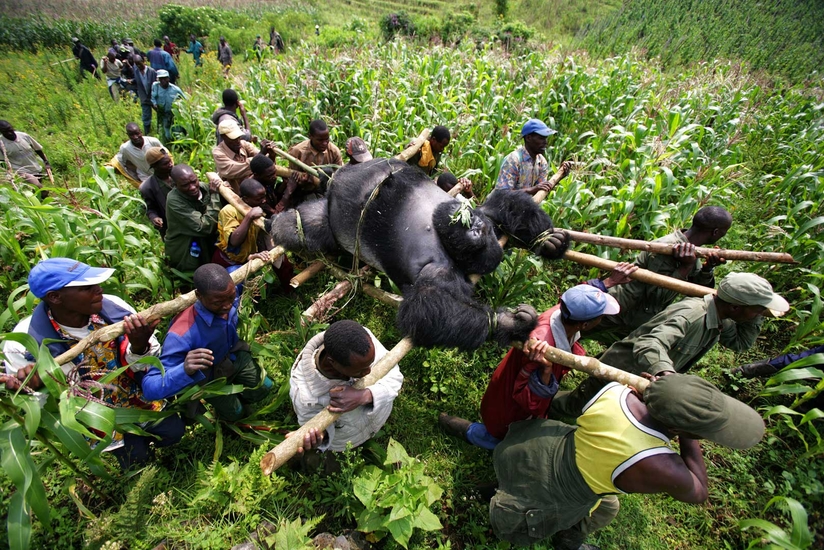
(407, 232)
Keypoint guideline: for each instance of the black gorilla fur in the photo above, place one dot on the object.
(408, 233)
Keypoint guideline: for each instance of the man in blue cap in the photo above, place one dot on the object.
(526, 168)
(72, 306)
(524, 383)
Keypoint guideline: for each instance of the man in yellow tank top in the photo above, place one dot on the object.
(621, 445)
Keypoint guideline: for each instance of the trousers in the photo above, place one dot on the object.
(135, 450)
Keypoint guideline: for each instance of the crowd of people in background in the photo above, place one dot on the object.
(623, 440)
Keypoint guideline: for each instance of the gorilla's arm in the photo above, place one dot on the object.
(314, 234)
(515, 214)
(439, 310)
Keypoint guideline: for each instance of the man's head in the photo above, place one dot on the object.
(7, 130)
(111, 56)
(583, 307)
(215, 289)
(252, 192)
(439, 139)
(115, 42)
(166, 39)
(163, 78)
(357, 151)
(68, 285)
(135, 135)
(185, 180)
(690, 406)
(711, 223)
(231, 133)
(263, 168)
(744, 296)
(230, 99)
(535, 134)
(348, 349)
(192, 37)
(159, 160)
(223, 40)
(139, 63)
(158, 43)
(75, 40)
(319, 135)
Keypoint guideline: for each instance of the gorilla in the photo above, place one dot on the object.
(391, 216)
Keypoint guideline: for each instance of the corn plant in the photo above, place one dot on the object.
(798, 538)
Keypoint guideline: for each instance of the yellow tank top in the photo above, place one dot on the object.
(609, 439)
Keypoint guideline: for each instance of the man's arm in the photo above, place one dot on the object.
(191, 222)
(152, 205)
(238, 236)
(682, 477)
(158, 386)
(740, 336)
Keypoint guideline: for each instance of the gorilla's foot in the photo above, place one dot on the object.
(553, 245)
(515, 324)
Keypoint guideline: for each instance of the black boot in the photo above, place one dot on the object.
(454, 425)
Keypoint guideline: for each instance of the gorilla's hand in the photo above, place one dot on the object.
(554, 246)
(515, 324)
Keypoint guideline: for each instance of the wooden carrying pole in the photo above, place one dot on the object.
(664, 248)
(591, 366)
(231, 197)
(414, 147)
(643, 275)
(159, 311)
(278, 456)
(311, 270)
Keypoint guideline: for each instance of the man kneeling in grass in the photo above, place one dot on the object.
(203, 344)
(322, 378)
(621, 445)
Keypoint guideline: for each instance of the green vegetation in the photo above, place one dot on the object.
(653, 147)
(778, 36)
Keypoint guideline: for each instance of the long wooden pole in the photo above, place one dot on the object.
(159, 311)
(311, 270)
(591, 366)
(231, 197)
(285, 450)
(414, 147)
(663, 248)
(643, 275)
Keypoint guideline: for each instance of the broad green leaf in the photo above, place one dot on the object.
(19, 522)
(69, 406)
(399, 511)
(96, 416)
(795, 374)
(812, 414)
(76, 444)
(774, 533)
(396, 453)
(19, 466)
(365, 484)
(426, 520)
(31, 406)
(801, 535)
(23, 339)
(780, 409)
(50, 372)
(370, 521)
(401, 530)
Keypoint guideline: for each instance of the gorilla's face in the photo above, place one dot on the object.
(479, 230)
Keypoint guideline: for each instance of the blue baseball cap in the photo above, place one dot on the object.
(585, 302)
(57, 273)
(533, 125)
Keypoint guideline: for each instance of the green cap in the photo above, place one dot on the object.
(748, 289)
(691, 404)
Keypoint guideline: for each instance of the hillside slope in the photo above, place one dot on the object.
(780, 36)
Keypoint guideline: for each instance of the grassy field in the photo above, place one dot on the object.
(654, 146)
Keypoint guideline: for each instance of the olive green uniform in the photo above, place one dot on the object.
(639, 301)
(674, 340)
(191, 219)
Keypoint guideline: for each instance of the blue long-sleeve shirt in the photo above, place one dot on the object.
(783, 360)
(196, 327)
(164, 97)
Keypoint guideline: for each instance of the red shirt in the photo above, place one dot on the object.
(508, 397)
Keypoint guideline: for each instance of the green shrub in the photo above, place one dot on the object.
(394, 24)
(178, 22)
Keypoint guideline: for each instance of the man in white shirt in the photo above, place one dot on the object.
(322, 378)
(132, 155)
(19, 150)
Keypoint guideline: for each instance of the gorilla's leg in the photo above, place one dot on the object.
(312, 234)
(439, 310)
(515, 214)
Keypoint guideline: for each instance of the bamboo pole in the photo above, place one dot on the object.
(303, 166)
(159, 311)
(591, 366)
(323, 304)
(664, 248)
(643, 275)
(414, 147)
(311, 270)
(285, 450)
(370, 290)
(231, 197)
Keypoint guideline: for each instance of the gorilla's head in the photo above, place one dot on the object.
(468, 237)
